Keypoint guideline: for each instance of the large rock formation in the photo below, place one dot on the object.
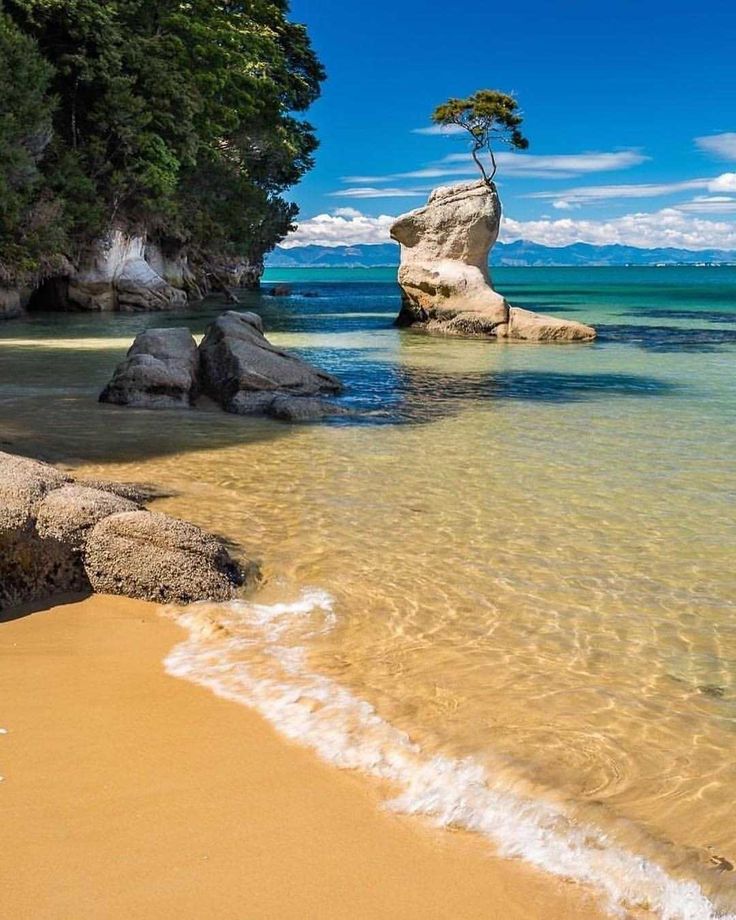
(127, 270)
(236, 366)
(116, 276)
(161, 371)
(58, 536)
(444, 277)
(247, 375)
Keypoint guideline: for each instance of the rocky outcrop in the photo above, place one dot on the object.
(59, 536)
(239, 365)
(11, 304)
(161, 371)
(444, 277)
(235, 365)
(116, 276)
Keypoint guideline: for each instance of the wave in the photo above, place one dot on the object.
(257, 655)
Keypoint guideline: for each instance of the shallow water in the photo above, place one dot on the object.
(508, 587)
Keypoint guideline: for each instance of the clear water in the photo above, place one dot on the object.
(509, 586)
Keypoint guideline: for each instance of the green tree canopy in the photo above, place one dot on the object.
(490, 117)
(178, 117)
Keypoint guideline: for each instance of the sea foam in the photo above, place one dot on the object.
(257, 655)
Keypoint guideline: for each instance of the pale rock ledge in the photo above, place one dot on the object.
(444, 277)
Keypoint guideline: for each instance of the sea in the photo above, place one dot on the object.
(505, 585)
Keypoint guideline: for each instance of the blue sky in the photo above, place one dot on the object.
(630, 108)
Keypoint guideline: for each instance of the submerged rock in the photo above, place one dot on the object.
(236, 358)
(444, 276)
(285, 408)
(161, 371)
(58, 536)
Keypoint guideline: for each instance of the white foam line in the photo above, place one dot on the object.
(346, 731)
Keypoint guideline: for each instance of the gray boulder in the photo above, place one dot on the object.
(161, 371)
(235, 358)
(153, 556)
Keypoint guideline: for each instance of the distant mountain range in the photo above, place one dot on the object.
(519, 253)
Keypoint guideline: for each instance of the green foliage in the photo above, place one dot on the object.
(489, 117)
(176, 115)
(25, 129)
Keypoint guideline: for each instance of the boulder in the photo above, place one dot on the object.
(153, 556)
(161, 371)
(60, 537)
(236, 358)
(66, 514)
(23, 485)
(444, 276)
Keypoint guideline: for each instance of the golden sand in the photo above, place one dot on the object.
(130, 794)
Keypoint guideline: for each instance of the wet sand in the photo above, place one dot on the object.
(130, 794)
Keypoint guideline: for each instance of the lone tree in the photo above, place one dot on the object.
(490, 117)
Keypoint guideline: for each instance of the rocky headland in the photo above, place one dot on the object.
(444, 276)
(129, 271)
(61, 536)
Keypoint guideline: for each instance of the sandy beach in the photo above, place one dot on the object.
(128, 793)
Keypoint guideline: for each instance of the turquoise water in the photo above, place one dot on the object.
(507, 586)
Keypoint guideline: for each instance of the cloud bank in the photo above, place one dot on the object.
(676, 227)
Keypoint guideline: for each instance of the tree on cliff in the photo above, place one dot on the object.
(490, 117)
(177, 118)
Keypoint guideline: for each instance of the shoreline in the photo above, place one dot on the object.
(130, 793)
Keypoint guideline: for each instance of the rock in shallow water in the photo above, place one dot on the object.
(161, 371)
(444, 277)
(236, 357)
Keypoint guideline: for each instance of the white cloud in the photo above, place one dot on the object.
(724, 183)
(344, 227)
(704, 204)
(563, 166)
(346, 212)
(439, 129)
(668, 227)
(722, 146)
(590, 193)
(369, 192)
(430, 172)
(559, 166)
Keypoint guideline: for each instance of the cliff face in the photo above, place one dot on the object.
(444, 277)
(128, 271)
